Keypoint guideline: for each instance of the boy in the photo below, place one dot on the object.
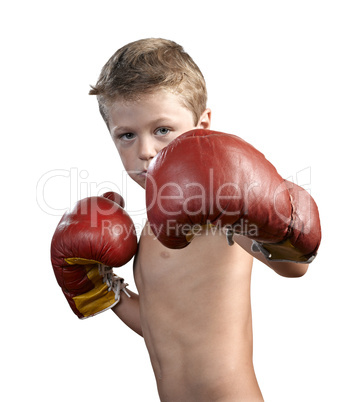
(193, 307)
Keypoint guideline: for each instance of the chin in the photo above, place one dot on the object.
(139, 180)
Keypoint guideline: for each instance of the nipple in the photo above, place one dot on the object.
(164, 254)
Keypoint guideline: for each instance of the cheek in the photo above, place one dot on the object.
(182, 131)
(126, 158)
(129, 166)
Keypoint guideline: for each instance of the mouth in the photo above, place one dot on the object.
(143, 173)
(142, 178)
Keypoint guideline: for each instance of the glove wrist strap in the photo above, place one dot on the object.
(114, 282)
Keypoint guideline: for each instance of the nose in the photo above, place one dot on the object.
(147, 149)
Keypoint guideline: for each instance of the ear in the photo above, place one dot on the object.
(205, 120)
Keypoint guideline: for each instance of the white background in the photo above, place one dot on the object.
(276, 77)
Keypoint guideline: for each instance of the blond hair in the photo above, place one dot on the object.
(146, 65)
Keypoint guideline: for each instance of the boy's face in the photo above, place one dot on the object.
(140, 129)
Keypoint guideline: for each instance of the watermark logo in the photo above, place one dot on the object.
(76, 187)
(173, 199)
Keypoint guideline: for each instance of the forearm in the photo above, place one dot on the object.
(128, 311)
(286, 269)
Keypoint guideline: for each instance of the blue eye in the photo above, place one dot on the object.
(127, 136)
(163, 131)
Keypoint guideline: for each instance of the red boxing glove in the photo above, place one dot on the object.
(205, 178)
(89, 240)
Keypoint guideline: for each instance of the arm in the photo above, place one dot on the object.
(128, 311)
(232, 186)
(286, 269)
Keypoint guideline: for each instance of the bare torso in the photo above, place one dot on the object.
(196, 318)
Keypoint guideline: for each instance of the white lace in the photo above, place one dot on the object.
(114, 282)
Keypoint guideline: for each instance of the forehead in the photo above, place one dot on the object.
(148, 107)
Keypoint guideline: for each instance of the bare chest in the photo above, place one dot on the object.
(208, 260)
